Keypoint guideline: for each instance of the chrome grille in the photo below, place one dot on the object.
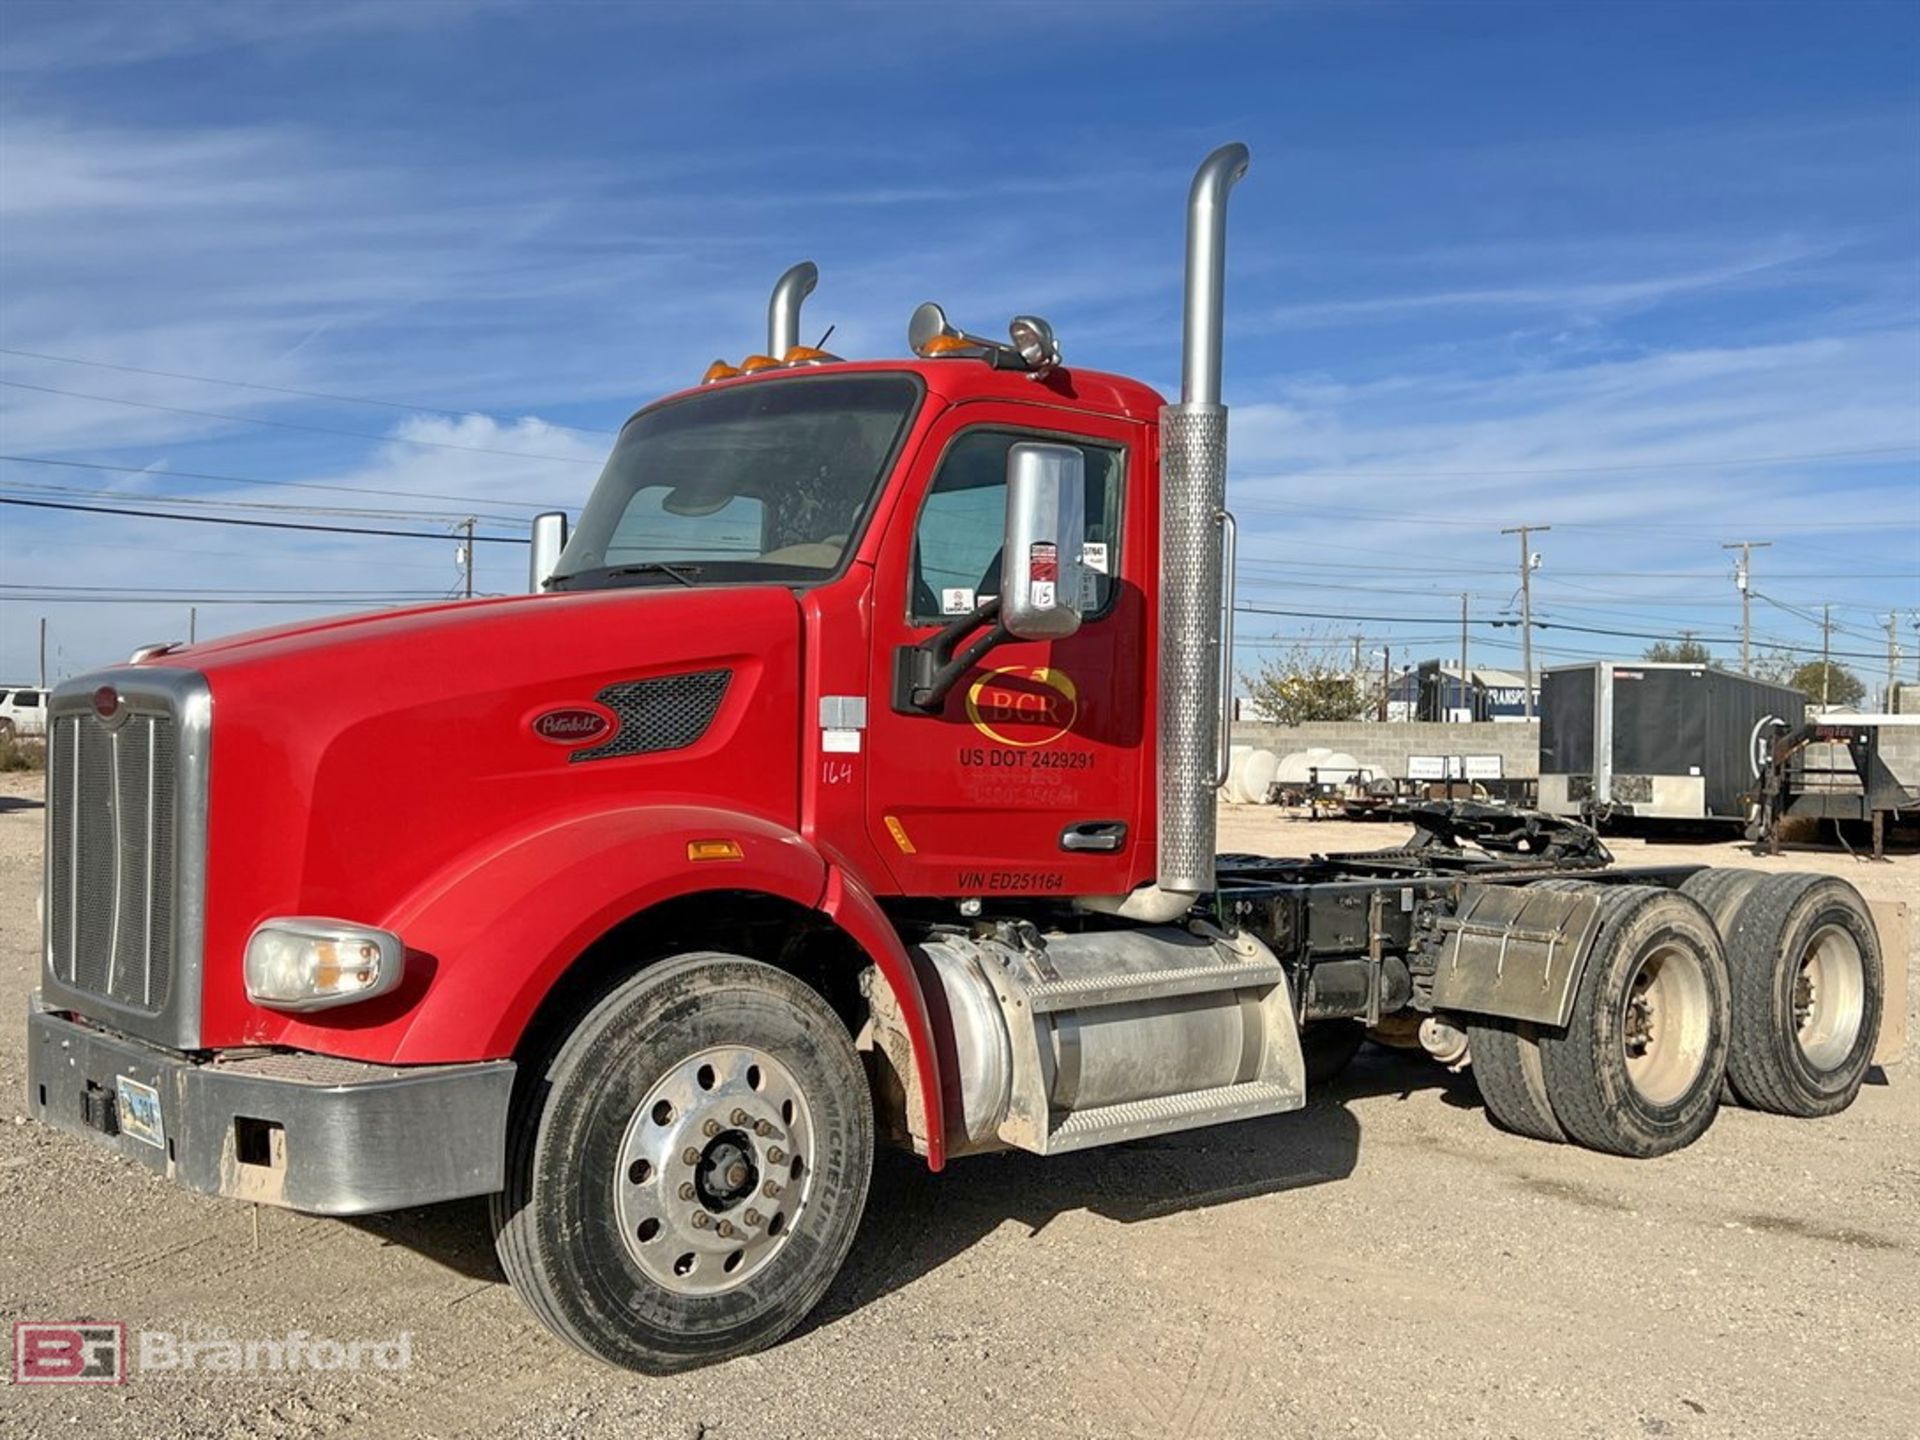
(110, 859)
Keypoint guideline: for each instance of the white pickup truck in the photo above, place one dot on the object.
(23, 711)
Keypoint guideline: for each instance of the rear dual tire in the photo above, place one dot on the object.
(1808, 987)
(1637, 1069)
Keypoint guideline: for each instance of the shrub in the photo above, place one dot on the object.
(18, 754)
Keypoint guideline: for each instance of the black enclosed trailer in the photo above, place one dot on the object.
(1657, 741)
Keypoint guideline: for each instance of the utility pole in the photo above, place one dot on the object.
(466, 554)
(1826, 653)
(1386, 680)
(43, 652)
(1743, 577)
(1356, 655)
(1466, 683)
(1526, 607)
(193, 623)
(1893, 656)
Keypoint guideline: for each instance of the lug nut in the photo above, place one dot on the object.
(763, 1128)
(726, 1229)
(740, 1117)
(752, 1217)
(771, 1190)
(776, 1156)
(710, 1129)
(686, 1190)
(701, 1220)
(690, 1155)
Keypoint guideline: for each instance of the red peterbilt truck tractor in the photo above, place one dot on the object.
(851, 772)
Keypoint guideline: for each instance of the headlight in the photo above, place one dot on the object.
(304, 963)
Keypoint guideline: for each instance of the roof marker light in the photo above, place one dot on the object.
(754, 364)
(719, 370)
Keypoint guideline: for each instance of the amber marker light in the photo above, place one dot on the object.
(949, 345)
(807, 355)
(719, 370)
(754, 364)
(714, 850)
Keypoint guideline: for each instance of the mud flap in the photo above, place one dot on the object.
(1516, 951)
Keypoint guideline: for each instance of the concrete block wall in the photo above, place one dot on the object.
(1385, 748)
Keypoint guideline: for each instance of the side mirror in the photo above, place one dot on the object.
(1046, 526)
(549, 539)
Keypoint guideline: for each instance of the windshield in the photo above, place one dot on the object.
(767, 481)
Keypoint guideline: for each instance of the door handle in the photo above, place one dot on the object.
(1104, 836)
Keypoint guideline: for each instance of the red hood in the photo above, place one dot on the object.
(354, 761)
(299, 635)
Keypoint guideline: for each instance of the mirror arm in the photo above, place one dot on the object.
(925, 674)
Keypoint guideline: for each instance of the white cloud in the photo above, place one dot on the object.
(1566, 296)
(56, 35)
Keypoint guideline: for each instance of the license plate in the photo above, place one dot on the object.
(140, 1112)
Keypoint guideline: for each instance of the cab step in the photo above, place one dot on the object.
(1140, 1119)
(1084, 992)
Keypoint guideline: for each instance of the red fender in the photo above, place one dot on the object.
(850, 906)
(496, 936)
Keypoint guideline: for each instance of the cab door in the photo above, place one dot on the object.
(1030, 779)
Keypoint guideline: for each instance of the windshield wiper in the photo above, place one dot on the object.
(674, 569)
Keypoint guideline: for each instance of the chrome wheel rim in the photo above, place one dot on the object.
(1665, 1024)
(716, 1168)
(1829, 997)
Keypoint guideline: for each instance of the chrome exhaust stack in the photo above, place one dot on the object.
(1194, 652)
(783, 310)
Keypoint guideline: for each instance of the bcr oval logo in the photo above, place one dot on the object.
(572, 725)
(1023, 705)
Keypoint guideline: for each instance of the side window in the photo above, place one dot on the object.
(28, 699)
(956, 543)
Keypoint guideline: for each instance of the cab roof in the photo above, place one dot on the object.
(962, 379)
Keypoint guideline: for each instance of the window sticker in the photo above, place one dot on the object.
(1043, 572)
(957, 601)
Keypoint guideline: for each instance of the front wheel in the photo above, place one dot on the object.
(686, 1176)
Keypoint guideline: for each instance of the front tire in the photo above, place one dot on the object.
(685, 1176)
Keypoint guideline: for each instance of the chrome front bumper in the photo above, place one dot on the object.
(307, 1132)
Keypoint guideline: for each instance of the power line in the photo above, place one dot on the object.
(1448, 625)
(285, 390)
(1875, 522)
(1647, 465)
(258, 524)
(255, 480)
(196, 593)
(203, 502)
(295, 425)
(313, 602)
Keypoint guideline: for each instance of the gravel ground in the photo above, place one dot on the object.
(1384, 1264)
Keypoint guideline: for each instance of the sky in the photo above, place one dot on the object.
(1648, 274)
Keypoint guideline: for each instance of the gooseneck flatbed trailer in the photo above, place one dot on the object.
(849, 775)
